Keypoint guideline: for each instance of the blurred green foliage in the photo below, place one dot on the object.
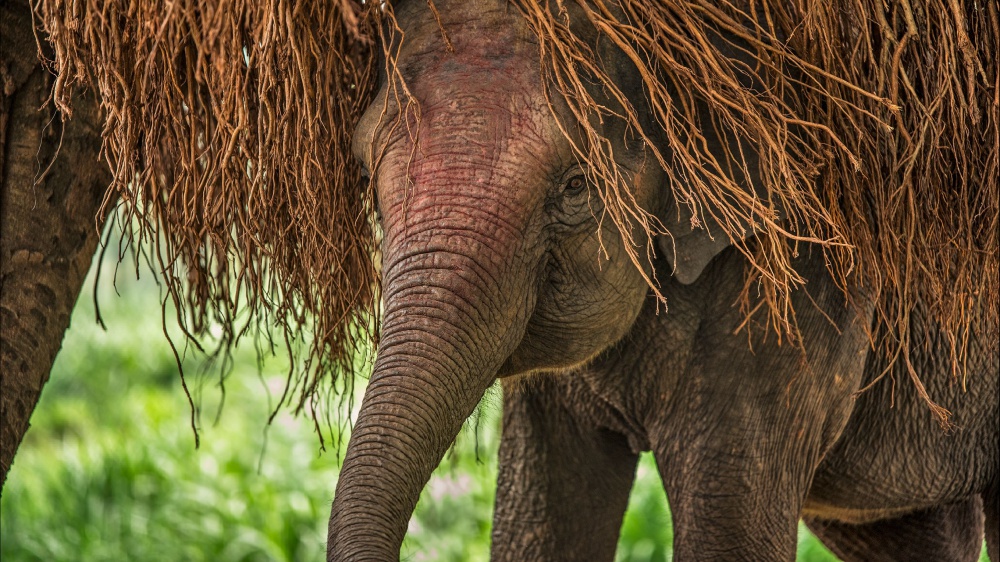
(109, 470)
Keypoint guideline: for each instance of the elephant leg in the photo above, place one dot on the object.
(49, 221)
(952, 532)
(725, 509)
(564, 483)
(738, 451)
(750, 417)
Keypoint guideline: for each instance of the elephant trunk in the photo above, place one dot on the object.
(449, 325)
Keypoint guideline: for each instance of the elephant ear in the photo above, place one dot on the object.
(694, 241)
(690, 247)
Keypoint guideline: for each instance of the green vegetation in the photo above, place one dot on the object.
(109, 471)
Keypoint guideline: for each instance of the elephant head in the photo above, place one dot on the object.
(494, 258)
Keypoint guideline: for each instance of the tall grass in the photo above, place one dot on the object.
(109, 470)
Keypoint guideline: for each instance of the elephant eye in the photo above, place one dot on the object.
(575, 185)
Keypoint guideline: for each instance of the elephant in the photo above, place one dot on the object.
(494, 266)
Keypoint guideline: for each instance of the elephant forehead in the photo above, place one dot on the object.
(495, 58)
(493, 124)
(485, 34)
(476, 50)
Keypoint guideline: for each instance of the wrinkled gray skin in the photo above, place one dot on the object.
(491, 269)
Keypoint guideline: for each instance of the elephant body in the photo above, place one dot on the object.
(496, 265)
(749, 435)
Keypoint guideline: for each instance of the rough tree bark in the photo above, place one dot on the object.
(51, 185)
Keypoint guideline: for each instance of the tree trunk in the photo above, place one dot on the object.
(51, 186)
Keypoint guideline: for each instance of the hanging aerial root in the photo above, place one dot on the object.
(875, 125)
(228, 127)
(876, 129)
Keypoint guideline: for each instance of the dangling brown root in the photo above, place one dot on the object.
(228, 128)
(876, 127)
